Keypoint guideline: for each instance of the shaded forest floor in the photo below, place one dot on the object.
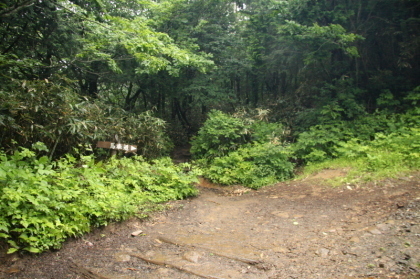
(298, 229)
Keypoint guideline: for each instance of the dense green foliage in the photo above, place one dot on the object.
(68, 73)
(53, 114)
(391, 155)
(253, 165)
(399, 150)
(379, 143)
(323, 142)
(43, 202)
(222, 133)
(371, 148)
(242, 150)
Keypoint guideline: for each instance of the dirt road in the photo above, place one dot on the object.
(300, 229)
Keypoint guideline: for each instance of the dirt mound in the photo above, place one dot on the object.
(298, 229)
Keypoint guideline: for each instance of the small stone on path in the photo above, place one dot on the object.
(374, 231)
(323, 252)
(390, 222)
(383, 227)
(119, 257)
(136, 233)
(354, 239)
(192, 256)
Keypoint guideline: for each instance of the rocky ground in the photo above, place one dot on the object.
(299, 229)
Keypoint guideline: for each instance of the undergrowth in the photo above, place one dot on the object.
(386, 156)
(242, 149)
(370, 148)
(43, 202)
(253, 165)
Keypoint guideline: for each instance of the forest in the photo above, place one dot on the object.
(258, 89)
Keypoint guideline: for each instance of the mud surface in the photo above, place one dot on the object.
(300, 229)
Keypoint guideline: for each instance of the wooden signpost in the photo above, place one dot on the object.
(117, 146)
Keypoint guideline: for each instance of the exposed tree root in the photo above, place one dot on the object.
(231, 257)
(84, 272)
(180, 268)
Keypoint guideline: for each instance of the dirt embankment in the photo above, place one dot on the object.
(300, 229)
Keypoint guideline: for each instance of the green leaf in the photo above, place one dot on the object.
(4, 228)
(11, 250)
(32, 249)
(3, 235)
(12, 243)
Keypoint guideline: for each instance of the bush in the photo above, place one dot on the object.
(222, 134)
(219, 135)
(393, 151)
(52, 113)
(253, 165)
(263, 132)
(43, 202)
(322, 142)
(242, 149)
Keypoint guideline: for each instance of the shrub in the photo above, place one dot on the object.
(43, 202)
(242, 149)
(253, 165)
(263, 132)
(222, 133)
(53, 113)
(322, 142)
(219, 135)
(395, 150)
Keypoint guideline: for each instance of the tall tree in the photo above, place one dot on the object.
(105, 47)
